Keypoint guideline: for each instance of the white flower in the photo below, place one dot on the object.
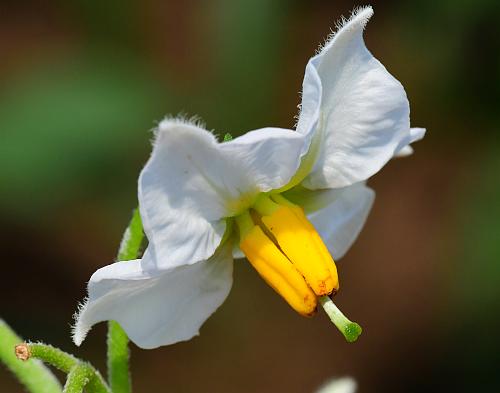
(195, 195)
(339, 385)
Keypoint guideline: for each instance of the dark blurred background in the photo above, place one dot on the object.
(81, 84)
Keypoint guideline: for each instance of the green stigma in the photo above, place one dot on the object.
(350, 330)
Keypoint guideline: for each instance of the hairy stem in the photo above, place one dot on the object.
(78, 377)
(51, 355)
(118, 350)
(33, 374)
(118, 359)
(66, 363)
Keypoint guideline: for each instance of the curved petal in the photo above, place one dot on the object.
(191, 182)
(159, 308)
(340, 222)
(405, 149)
(363, 114)
(312, 91)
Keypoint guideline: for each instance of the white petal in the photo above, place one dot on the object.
(340, 222)
(312, 91)
(340, 385)
(405, 151)
(191, 182)
(363, 114)
(159, 308)
(416, 134)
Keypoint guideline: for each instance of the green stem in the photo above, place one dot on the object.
(77, 378)
(64, 362)
(118, 351)
(84, 375)
(33, 374)
(132, 239)
(54, 356)
(96, 383)
(118, 359)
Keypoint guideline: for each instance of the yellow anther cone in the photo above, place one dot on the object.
(287, 251)
(278, 271)
(300, 242)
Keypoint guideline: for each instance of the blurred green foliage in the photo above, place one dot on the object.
(71, 125)
(459, 42)
(72, 122)
(468, 325)
(479, 264)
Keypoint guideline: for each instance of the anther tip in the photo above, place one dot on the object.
(352, 331)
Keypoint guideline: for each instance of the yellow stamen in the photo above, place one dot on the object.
(275, 268)
(287, 252)
(300, 242)
(285, 249)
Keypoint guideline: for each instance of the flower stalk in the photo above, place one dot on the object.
(54, 356)
(118, 359)
(80, 374)
(118, 353)
(77, 379)
(33, 374)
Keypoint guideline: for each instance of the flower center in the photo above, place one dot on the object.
(286, 250)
